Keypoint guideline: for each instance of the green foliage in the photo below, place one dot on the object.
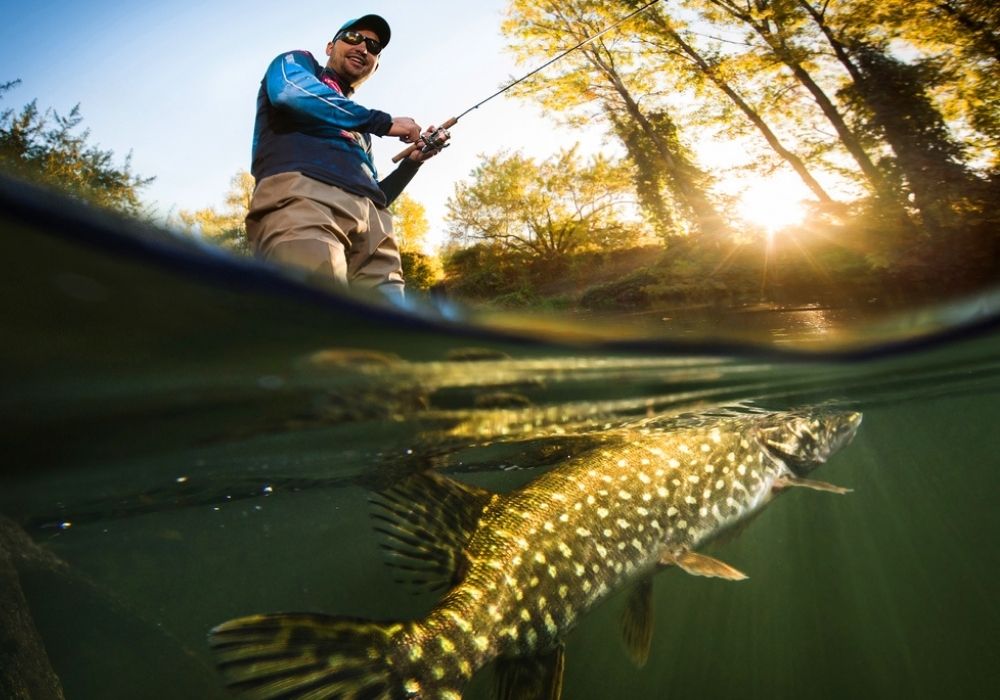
(630, 292)
(962, 38)
(482, 272)
(519, 299)
(52, 150)
(545, 210)
(894, 105)
(891, 101)
(226, 228)
(409, 222)
(419, 270)
(410, 228)
(649, 179)
(618, 78)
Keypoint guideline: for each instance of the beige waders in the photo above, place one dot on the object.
(333, 235)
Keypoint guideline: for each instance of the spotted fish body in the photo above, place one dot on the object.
(527, 565)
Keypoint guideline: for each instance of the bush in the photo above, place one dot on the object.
(479, 272)
(627, 293)
(53, 150)
(418, 270)
(519, 299)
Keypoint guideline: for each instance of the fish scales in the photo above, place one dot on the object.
(540, 557)
(546, 554)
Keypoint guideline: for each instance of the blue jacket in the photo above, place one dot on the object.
(306, 123)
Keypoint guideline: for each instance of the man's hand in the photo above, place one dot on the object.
(405, 128)
(440, 141)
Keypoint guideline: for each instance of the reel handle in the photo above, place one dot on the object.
(414, 146)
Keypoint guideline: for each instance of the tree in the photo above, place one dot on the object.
(712, 68)
(665, 168)
(891, 98)
(929, 160)
(650, 178)
(228, 227)
(777, 27)
(409, 223)
(544, 210)
(482, 271)
(48, 148)
(957, 44)
(420, 271)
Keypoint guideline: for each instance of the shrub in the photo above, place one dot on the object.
(626, 293)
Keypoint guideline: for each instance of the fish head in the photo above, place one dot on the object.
(803, 440)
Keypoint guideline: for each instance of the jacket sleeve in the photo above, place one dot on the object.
(292, 85)
(393, 183)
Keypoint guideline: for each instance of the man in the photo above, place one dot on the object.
(317, 204)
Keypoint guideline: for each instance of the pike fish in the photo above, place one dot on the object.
(521, 568)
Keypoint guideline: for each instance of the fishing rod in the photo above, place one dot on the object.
(436, 138)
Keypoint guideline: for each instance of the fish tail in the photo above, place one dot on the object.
(311, 656)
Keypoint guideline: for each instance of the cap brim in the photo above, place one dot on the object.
(372, 22)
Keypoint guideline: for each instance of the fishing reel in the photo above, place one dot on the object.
(434, 141)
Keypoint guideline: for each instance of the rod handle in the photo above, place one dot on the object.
(413, 146)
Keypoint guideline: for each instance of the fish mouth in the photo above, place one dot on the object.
(853, 422)
(801, 449)
(843, 434)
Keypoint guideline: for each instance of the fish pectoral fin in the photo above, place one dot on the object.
(786, 482)
(702, 565)
(425, 522)
(538, 677)
(637, 622)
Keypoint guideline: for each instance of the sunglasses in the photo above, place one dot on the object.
(354, 38)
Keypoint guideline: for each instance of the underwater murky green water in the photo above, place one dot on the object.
(184, 451)
(889, 590)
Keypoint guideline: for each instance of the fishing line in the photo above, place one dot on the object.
(433, 140)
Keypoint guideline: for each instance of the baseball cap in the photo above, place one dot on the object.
(372, 22)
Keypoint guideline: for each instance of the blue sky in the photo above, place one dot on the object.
(175, 82)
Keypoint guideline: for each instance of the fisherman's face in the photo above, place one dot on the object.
(354, 63)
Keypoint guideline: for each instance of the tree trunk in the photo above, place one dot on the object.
(776, 42)
(683, 174)
(648, 177)
(929, 160)
(772, 139)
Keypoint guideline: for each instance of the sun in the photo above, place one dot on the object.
(771, 204)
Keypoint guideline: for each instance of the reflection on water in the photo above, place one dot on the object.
(813, 323)
(810, 327)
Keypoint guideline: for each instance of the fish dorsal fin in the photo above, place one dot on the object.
(426, 521)
(538, 677)
(637, 622)
(702, 565)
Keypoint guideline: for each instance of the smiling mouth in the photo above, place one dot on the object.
(358, 61)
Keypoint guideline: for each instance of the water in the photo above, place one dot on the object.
(194, 446)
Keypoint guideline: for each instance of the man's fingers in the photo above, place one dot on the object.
(405, 128)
